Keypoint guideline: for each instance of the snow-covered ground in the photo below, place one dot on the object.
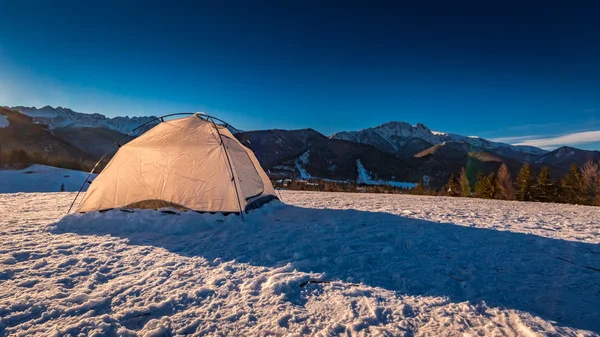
(365, 178)
(393, 265)
(3, 121)
(41, 178)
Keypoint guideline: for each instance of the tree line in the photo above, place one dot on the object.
(21, 158)
(579, 186)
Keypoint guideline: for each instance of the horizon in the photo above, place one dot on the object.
(519, 74)
(499, 140)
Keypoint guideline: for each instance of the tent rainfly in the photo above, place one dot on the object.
(189, 163)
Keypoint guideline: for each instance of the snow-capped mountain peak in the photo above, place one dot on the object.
(398, 134)
(61, 117)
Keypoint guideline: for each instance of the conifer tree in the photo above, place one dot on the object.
(465, 186)
(544, 188)
(524, 183)
(485, 187)
(571, 186)
(419, 189)
(506, 190)
(452, 188)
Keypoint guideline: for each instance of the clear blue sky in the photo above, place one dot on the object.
(503, 69)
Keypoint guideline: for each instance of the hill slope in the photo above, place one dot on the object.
(565, 156)
(302, 153)
(21, 132)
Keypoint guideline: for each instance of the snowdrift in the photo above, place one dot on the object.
(41, 178)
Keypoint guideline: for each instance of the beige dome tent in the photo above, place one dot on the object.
(190, 163)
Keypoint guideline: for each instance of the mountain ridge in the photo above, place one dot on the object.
(61, 117)
(394, 151)
(397, 133)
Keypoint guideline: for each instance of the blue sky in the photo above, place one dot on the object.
(515, 71)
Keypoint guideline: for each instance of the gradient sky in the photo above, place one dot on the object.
(518, 72)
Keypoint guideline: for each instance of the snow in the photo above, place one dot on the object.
(41, 178)
(393, 265)
(365, 178)
(300, 163)
(392, 130)
(3, 121)
(60, 117)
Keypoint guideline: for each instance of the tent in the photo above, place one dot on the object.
(190, 163)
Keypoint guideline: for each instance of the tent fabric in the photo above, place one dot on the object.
(188, 163)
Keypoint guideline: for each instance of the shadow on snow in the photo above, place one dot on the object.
(543, 276)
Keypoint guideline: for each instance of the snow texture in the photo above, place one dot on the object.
(41, 178)
(3, 121)
(394, 265)
(365, 178)
(300, 163)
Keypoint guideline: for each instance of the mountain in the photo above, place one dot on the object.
(20, 131)
(93, 133)
(93, 140)
(405, 140)
(392, 152)
(309, 154)
(273, 146)
(439, 161)
(57, 118)
(565, 156)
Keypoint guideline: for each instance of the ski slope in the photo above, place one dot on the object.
(391, 265)
(365, 178)
(4, 121)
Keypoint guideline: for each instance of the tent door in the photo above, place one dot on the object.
(248, 180)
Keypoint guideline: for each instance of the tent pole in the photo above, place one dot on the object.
(230, 168)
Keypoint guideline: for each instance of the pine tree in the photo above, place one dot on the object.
(571, 186)
(506, 190)
(485, 187)
(465, 186)
(419, 189)
(524, 183)
(452, 188)
(544, 189)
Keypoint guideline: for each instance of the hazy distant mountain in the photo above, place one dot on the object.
(61, 117)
